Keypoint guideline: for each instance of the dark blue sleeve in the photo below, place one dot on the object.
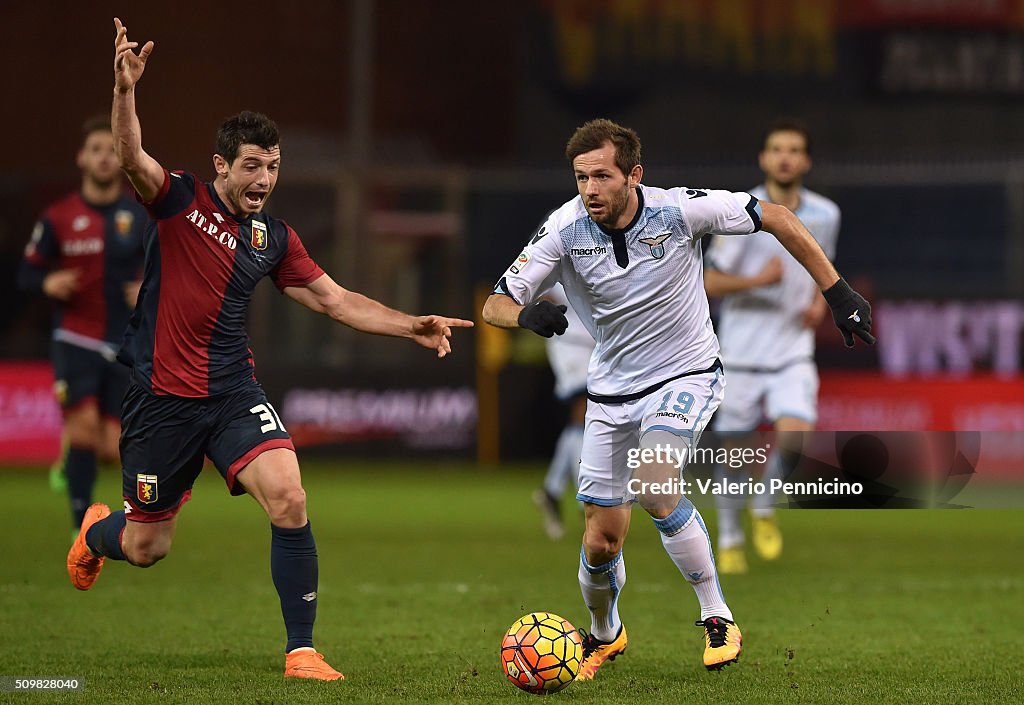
(178, 190)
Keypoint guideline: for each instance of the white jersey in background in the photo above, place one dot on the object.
(761, 329)
(639, 291)
(569, 353)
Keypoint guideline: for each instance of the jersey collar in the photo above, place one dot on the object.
(221, 206)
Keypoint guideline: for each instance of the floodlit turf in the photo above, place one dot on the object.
(422, 570)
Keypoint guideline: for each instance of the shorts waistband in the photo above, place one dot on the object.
(624, 398)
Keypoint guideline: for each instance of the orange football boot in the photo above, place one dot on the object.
(723, 642)
(306, 663)
(596, 652)
(83, 565)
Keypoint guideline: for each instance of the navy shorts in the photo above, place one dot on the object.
(82, 375)
(164, 441)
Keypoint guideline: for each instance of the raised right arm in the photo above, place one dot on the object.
(145, 173)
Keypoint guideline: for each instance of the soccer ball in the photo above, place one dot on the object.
(541, 653)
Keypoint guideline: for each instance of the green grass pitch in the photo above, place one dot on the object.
(422, 568)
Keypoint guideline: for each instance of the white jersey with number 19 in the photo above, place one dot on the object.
(638, 290)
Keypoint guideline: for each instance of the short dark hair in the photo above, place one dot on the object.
(97, 123)
(247, 127)
(594, 134)
(788, 124)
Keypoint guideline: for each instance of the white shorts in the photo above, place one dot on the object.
(569, 362)
(676, 414)
(768, 396)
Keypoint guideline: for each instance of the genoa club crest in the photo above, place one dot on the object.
(146, 488)
(123, 221)
(259, 235)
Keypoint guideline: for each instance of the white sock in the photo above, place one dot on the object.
(565, 464)
(728, 507)
(687, 543)
(600, 586)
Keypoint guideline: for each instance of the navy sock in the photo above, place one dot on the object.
(80, 470)
(104, 537)
(294, 567)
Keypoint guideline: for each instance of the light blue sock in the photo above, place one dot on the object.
(687, 543)
(601, 586)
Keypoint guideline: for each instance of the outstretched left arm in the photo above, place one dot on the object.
(850, 310)
(798, 241)
(362, 313)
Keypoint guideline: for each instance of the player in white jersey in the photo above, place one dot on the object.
(629, 258)
(767, 334)
(569, 357)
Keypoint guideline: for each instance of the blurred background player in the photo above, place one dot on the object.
(86, 254)
(770, 310)
(569, 357)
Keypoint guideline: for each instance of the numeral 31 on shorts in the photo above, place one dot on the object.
(268, 414)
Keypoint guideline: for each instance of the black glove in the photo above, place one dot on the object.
(544, 318)
(851, 312)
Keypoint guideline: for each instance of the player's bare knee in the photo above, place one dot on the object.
(82, 427)
(145, 558)
(659, 499)
(81, 437)
(109, 450)
(658, 506)
(658, 488)
(147, 544)
(143, 555)
(288, 507)
(601, 546)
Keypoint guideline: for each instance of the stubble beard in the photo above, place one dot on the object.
(614, 209)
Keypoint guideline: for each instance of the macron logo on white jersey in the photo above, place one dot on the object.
(588, 251)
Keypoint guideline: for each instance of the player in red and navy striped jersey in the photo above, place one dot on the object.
(193, 391)
(86, 254)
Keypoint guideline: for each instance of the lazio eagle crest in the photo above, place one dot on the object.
(655, 243)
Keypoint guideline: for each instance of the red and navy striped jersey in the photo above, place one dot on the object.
(187, 337)
(105, 244)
